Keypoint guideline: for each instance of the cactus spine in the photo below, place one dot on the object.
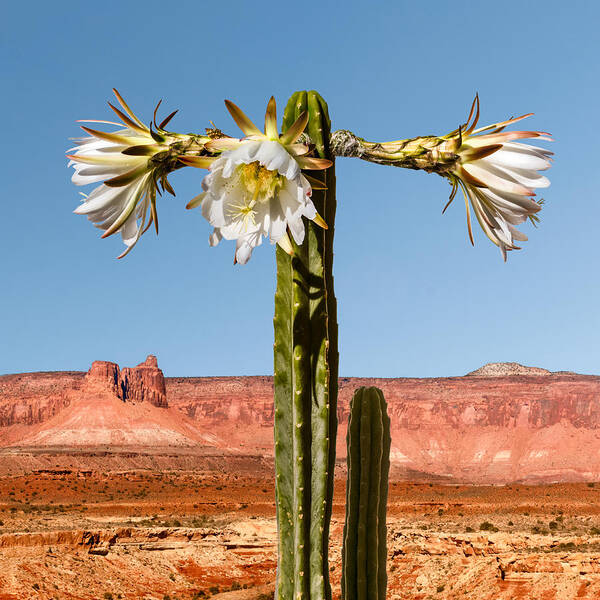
(306, 365)
(364, 554)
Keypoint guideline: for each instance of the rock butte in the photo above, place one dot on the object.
(501, 423)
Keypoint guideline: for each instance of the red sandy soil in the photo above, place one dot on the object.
(143, 535)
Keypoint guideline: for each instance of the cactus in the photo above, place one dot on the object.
(364, 554)
(306, 364)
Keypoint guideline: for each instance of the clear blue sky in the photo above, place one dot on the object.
(415, 299)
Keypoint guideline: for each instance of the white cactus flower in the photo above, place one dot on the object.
(256, 188)
(498, 177)
(125, 161)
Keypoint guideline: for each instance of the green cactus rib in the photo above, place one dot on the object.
(386, 443)
(363, 502)
(349, 564)
(306, 370)
(373, 542)
(364, 554)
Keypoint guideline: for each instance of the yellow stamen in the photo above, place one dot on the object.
(260, 183)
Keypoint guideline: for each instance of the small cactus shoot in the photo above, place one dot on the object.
(364, 553)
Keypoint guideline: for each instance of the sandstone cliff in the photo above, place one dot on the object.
(144, 383)
(30, 398)
(488, 427)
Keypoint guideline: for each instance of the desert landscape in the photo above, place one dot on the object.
(120, 483)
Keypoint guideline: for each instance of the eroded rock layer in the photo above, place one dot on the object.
(502, 423)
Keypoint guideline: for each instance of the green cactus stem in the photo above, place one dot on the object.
(364, 553)
(306, 372)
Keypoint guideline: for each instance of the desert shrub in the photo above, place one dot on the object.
(236, 586)
(591, 484)
(202, 521)
(440, 589)
(564, 547)
(487, 526)
(214, 589)
(469, 530)
(108, 596)
(553, 525)
(510, 523)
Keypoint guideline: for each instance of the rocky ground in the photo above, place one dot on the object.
(75, 535)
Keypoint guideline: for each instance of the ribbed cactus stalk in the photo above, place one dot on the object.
(364, 554)
(306, 365)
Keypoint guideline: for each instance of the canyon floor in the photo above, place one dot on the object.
(93, 535)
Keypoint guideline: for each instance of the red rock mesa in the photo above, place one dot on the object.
(501, 423)
(144, 383)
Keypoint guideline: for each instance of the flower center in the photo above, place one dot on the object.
(259, 183)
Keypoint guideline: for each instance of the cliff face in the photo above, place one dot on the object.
(144, 383)
(530, 401)
(507, 402)
(224, 400)
(31, 398)
(488, 427)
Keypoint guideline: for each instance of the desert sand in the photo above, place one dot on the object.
(144, 535)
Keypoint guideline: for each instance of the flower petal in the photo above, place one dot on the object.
(243, 122)
(492, 177)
